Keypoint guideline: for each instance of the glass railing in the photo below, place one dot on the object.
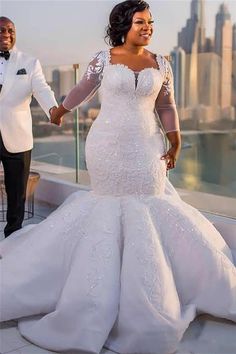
(60, 151)
(206, 164)
(55, 149)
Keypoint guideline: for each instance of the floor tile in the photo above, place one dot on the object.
(35, 220)
(31, 349)
(10, 339)
(207, 335)
(220, 336)
(42, 210)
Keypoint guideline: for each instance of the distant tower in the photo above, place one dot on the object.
(178, 65)
(198, 12)
(234, 38)
(56, 82)
(222, 19)
(194, 29)
(223, 47)
(66, 81)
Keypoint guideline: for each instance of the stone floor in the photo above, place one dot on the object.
(206, 335)
(41, 210)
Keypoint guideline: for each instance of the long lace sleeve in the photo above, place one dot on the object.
(165, 103)
(88, 85)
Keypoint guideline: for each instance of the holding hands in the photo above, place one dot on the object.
(56, 114)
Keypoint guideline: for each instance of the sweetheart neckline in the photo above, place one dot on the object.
(127, 67)
(133, 71)
(136, 74)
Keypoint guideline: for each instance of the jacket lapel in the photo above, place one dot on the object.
(10, 73)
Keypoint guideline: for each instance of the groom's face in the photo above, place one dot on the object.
(7, 35)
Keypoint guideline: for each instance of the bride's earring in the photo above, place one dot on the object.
(123, 39)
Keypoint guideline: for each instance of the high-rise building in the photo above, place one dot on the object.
(222, 18)
(191, 85)
(198, 11)
(56, 82)
(194, 29)
(234, 82)
(209, 45)
(209, 85)
(178, 64)
(223, 47)
(209, 68)
(187, 35)
(234, 38)
(66, 81)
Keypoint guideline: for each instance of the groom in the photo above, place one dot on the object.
(20, 77)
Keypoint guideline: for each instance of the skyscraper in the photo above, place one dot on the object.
(187, 35)
(198, 12)
(234, 38)
(194, 29)
(222, 18)
(178, 64)
(223, 47)
(209, 68)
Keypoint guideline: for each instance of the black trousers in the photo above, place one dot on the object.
(16, 172)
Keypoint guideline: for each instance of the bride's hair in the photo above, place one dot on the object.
(120, 20)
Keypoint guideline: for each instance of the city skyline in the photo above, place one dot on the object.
(204, 68)
(75, 28)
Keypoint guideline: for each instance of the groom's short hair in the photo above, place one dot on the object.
(6, 19)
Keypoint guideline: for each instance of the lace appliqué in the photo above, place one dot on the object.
(96, 64)
(167, 72)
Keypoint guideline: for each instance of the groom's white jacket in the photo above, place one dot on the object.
(22, 79)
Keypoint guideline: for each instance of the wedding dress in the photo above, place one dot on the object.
(129, 265)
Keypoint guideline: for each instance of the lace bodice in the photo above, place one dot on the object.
(163, 102)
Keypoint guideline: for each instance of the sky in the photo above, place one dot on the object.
(66, 32)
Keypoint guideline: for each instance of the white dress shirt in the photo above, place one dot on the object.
(3, 68)
(3, 64)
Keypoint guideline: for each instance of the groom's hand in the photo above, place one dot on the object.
(54, 117)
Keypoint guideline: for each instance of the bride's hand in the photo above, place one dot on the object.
(171, 157)
(57, 113)
(55, 116)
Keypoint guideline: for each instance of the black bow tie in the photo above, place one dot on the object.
(5, 55)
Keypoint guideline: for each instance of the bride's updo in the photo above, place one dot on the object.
(120, 20)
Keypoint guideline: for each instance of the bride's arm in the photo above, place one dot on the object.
(83, 91)
(166, 108)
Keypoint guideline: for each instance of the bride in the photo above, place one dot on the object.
(129, 265)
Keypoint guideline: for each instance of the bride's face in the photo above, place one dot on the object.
(142, 29)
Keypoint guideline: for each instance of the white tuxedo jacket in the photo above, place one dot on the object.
(15, 98)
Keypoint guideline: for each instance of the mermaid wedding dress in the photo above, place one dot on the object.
(129, 265)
